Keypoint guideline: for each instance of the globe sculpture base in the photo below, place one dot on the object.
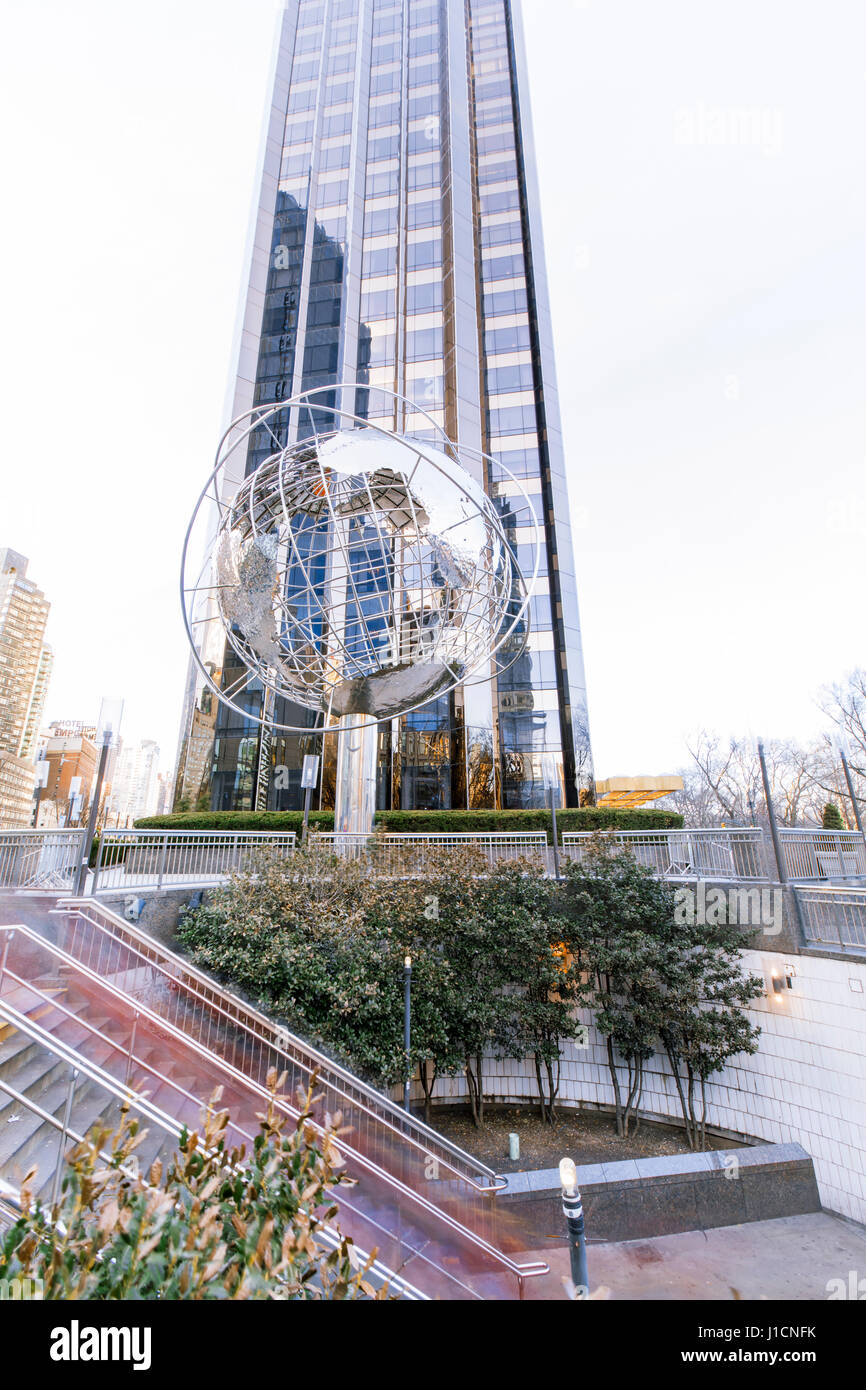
(357, 755)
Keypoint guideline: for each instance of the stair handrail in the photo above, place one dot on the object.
(91, 1028)
(530, 1270)
(282, 1039)
(166, 1122)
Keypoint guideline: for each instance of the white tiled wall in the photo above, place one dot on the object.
(806, 1083)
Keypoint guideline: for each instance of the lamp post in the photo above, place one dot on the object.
(572, 1206)
(407, 1028)
(109, 723)
(779, 852)
(851, 792)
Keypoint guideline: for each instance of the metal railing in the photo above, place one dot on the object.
(114, 950)
(182, 858)
(410, 1164)
(815, 855)
(834, 917)
(170, 1127)
(141, 859)
(737, 854)
(46, 859)
(400, 854)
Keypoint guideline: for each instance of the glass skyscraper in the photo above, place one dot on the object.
(397, 249)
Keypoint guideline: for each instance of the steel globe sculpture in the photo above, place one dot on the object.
(353, 572)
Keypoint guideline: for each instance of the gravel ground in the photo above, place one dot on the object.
(586, 1136)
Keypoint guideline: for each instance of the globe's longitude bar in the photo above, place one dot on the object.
(399, 247)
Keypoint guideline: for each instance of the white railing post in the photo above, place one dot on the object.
(163, 853)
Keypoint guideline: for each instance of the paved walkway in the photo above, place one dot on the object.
(792, 1258)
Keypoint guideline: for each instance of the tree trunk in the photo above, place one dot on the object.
(474, 1084)
(674, 1063)
(428, 1085)
(617, 1098)
(635, 1094)
(553, 1090)
(540, 1084)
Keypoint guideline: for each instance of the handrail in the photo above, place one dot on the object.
(165, 1122)
(91, 1070)
(83, 1022)
(520, 1271)
(281, 1039)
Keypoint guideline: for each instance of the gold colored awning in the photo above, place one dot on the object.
(626, 792)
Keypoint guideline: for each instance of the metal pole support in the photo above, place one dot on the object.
(572, 1207)
(851, 792)
(779, 852)
(94, 816)
(556, 872)
(407, 1029)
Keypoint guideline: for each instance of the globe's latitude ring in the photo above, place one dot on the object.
(353, 571)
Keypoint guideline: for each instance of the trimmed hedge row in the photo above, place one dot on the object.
(424, 822)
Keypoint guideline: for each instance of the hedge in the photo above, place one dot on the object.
(424, 822)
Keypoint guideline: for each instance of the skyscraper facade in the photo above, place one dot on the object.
(397, 258)
(25, 669)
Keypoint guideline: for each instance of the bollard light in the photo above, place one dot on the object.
(568, 1175)
(407, 1030)
(572, 1208)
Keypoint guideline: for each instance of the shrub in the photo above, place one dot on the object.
(320, 943)
(216, 1224)
(425, 822)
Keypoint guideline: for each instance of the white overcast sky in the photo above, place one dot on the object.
(709, 307)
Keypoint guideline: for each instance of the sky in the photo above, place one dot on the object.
(701, 174)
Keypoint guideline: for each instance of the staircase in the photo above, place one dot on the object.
(106, 1001)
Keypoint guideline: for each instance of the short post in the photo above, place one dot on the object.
(572, 1206)
(407, 1029)
(556, 872)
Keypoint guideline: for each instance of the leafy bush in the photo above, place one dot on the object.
(656, 983)
(217, 1224)
(425, 822)
(320, 943)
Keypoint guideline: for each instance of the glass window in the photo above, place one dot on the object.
(386, 114)
(503, 267)
(424, 175)
(423, 343)
(505, 302)
(387, 147)
(423, 255)
(380, 221)
(500, 202)
(501, 233)
(516, 378)
(513, 419)
(382, 261)
(381, 304)
(423, 299)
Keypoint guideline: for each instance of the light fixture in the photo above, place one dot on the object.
(568, 1175)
